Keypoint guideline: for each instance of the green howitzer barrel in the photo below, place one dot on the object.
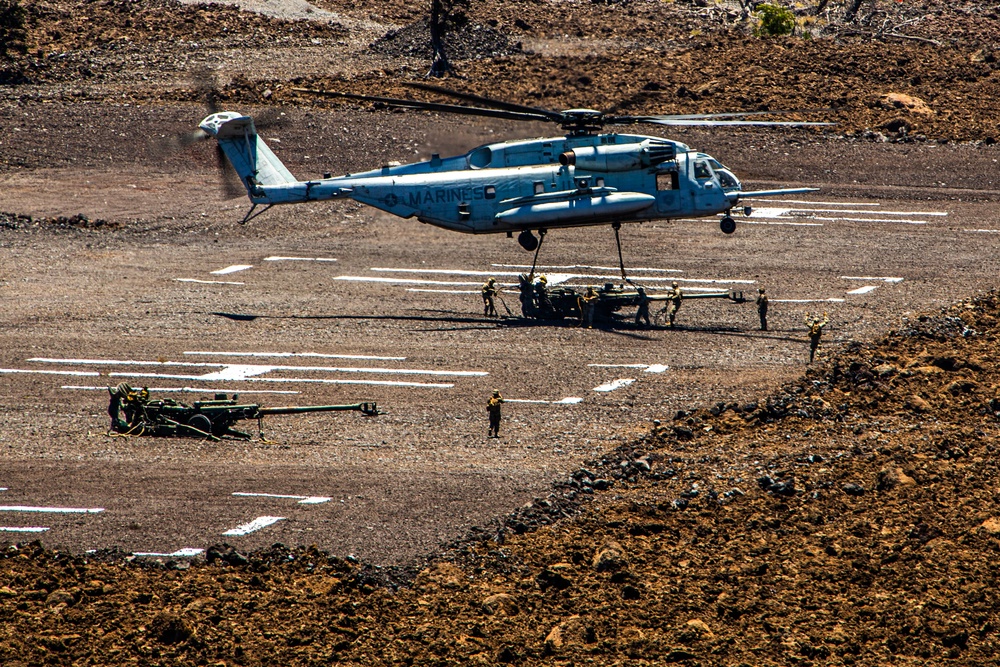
(734, 296)
(369, 409)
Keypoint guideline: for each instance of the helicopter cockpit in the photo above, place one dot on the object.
(727, 179)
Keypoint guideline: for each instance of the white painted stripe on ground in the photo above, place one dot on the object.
(317, 355)
(414, 281)
(584, 266)
(24, 370)
(556, 278)
(615, 384)
(864, 290)
(881, 211)
(569, 400)
(192, 390)
(816, 203)
(249, 367)
(255, 525)
(983, 231)
(231, 269)
(808, 300)
(886, 279)
(303, 500)
(901, 222)
(786, 224)
(186, 552)
(524, 400)
(207, 282)
(238, 372)
(646, 368)
(22, 529)
(444, 291)
(374, 383)
(3, 488)
(278, 258)
(51, 510)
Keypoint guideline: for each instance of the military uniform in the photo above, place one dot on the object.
(762, 308)
(815, 332)
(493, 408)
(489, 292)
(588, 302)
(674, 297)
(642, 312)
(542, 301)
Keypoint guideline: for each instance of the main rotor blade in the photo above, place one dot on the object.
(696, 122)
(734, 114)
(555, 116)
(430, 106)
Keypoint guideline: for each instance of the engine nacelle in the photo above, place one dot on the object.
(618, 158)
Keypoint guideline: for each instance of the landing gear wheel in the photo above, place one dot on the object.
(727, 225)
(527, 240)
(202, 423)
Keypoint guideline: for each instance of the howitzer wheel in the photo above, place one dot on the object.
(202, 423)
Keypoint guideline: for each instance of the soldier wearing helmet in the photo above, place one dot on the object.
(493, 408)
(489, 292)
(642, 312)
(588, 303)
(674, 297)
(542, 300)
(815, 325)
(762, 308)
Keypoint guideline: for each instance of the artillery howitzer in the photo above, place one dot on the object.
(133, 412)
(565, 302)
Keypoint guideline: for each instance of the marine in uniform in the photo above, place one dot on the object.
(493, 408)
(674, 297)
(642, 312)
(762, 308)
(542, 301)
(489, 294)
(588, 303)
(815, 325)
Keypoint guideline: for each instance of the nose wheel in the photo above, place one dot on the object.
(727, 225)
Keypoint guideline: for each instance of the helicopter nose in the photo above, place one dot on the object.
(728, 180)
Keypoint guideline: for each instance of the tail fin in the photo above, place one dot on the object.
(247, 152)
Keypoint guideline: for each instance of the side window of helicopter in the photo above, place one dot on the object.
(599, 182)
(490, 192)
(539, 187)
(702, 170)
(667, 181)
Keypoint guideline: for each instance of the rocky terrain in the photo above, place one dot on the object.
(845, 517)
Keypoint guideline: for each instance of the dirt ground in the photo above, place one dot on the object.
(586, 532)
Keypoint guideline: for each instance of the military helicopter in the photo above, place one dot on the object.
(587, 177)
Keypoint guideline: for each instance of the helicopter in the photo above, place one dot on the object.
(588, 176)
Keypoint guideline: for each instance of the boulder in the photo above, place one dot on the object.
(573, 631)
(611, 556)
(500, 604)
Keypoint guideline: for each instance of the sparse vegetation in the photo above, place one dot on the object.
(775, 21)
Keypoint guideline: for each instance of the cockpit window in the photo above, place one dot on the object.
(715, 164)
(702, 170)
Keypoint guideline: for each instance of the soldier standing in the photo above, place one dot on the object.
(489, 293)
(642, 312)
(815, 325)
(542, 301)
(674, 297)
(493, 408)
(588, 302)
(762, 308)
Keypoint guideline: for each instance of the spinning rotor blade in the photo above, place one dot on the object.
(229, 180)
(697, 122)
(555, 116)
(428, 106)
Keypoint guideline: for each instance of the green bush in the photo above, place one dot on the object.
(774, 20)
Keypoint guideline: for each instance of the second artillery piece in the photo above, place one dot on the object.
(134, 412)
(562, 302)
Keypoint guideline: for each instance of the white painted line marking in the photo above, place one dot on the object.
(20, 370)
(192, 390)
(316, 355)
(231, 269)
(887, 279)
(255, 525)
(583, 266)
(816, 203)
(444, 291)
(248, 369)
(51, 510)
(299, 259)
(569, 400)
(615, 384)
(206, 282)
(3, 488)
(186, 552)
(22, 529)
(303, 500)
(238, 372)
(405, 281)
(375, 383)
(983, 231)
(902, 222)
(553, 278)
(864, 290)
(808, 300)
(778, 224)
(878, 212)
(646, 368)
